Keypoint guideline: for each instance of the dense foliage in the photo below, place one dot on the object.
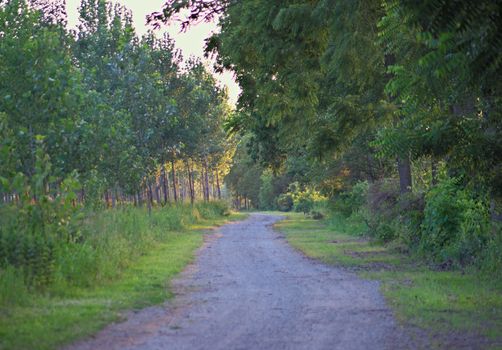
(391, 109)
(93, 118)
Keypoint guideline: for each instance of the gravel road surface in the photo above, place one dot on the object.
(249, 290)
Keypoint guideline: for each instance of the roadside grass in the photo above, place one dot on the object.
(52, 319)
(447, 304)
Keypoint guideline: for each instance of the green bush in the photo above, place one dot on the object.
(456, 225)
(304, 199)
(353, 200)
(285, 202)
(491, 259)
(382, 210)
(303, 202)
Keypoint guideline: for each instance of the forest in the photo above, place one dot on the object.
(383, 113)
(91, 119)
(383, 117)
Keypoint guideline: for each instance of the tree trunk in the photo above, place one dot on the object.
(140, 199)
(434, 171)
(218, 189)
(202, 187)
(213, 186)
(149, 197)
(175, 191)
(190, 182)
(403, 163)
(371, 172)
(181, 184)
(107, 199)
(157, 191)
(404, 169)
(206, 181)
(165, 184)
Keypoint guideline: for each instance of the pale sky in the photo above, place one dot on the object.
(190, 42)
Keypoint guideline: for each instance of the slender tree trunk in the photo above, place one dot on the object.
(140, 199)
(371, 171)
(404, 169)
(173, 172)
(206, 181)
(218, 185)
(202, 187)
(181, 184)
(107, 199)
(165, 188)
(434, 171)
(190, 181)
(150, 192)
(168, 193)
(149, 198)
(213, 186)
(403, 163)
(157, 191)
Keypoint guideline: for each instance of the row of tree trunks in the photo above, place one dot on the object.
(174, 185)
(242, 202)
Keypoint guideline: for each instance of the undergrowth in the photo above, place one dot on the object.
(124, 261)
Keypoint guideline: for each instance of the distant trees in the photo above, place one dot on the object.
(121, 114)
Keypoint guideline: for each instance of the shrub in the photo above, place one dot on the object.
(351, 201)
(410, 218)
(456, 225)
(285, 202)
(304, 200)
(490, 261)
(382, 210)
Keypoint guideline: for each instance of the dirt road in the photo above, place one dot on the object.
(249, 290)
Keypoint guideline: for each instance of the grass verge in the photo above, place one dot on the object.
(58, 317)
(456, 309)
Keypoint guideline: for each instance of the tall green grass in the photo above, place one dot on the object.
(353, 225)
(124, 259)
(108, 242)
